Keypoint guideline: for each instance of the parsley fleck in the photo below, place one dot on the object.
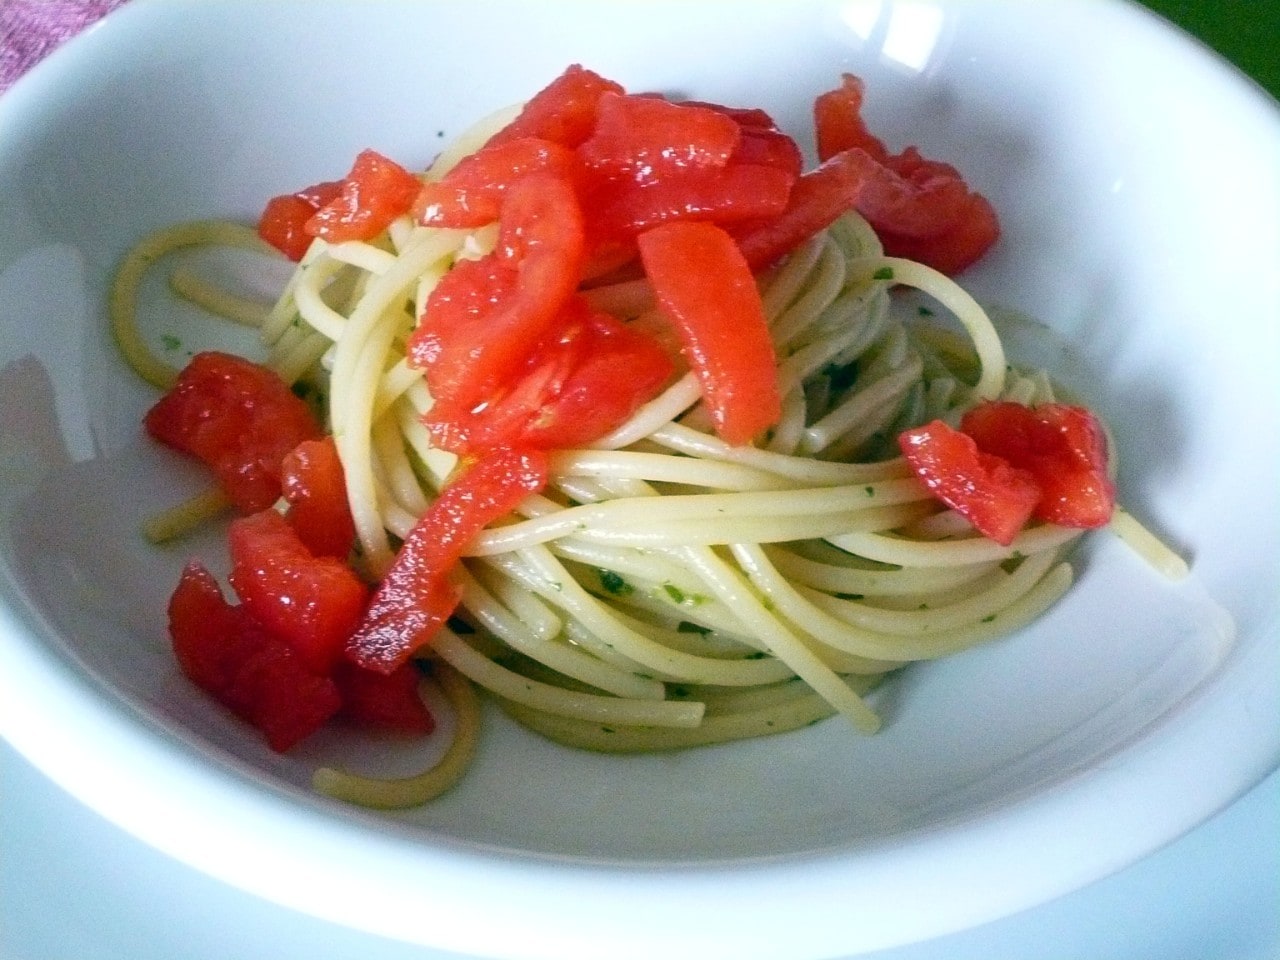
(171, 342)
(884, 273)
(849, 596)
(614, 583)
(684, 626)
(926, 312)
(989, 618)
(674, 592)
(871, 491)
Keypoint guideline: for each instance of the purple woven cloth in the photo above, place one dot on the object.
(31, 29)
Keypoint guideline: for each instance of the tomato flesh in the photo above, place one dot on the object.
(482, 318)
(645, 138)
(706, 287)
(998, 499)
(838, 124)
(374, 193)
(239, 418)
(284, 218)
(1062, 446)
(579, 385)
(921, 209)
(313, 483)
(386, 701)
(470, 195)
(563, 111)
(225, 652)
(312, 603)
(415, 598)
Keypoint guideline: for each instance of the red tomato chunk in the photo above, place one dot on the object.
(228, 654)
(315, 487)
(239, 418)
(312, 603)
(283, 221)
(706, 287)
(374, 193)
(920, 208)
(996, 498)
(1062, 446)
(416, 596)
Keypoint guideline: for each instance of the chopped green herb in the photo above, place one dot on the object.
(674, 592)
(884, 273)
(871, 491)
(608, 730)
(850, 596)
(684, 626)
(989, 618)
(171, 342)
(614, 583)
(755, 655)
(926, 312)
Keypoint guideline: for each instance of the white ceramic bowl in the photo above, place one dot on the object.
(1137, 177)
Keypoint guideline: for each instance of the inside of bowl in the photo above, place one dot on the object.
(1092, 248)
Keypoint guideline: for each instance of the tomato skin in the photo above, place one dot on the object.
(563, 111)
(375, 192)
(998, 499)
(1063, 446)
(386, 701)
(706, 287)
(284, 218)
(313, 483)
(225, 652)
(416, 597)
(482, 318)
(239, 418)
(312, 603)
(956, 248)
(470, 195)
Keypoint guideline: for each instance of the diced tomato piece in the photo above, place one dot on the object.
(375, 192)
(470, 195)
(284, 218)
(387, 701)
(619, 369)
(1062, 446)
(705, 286)
(314, 484)
(238, 417)
(225, 652)
(761, 141)
(646, 138)
(563, 111)
(838, 124)
(312, 603)
(578, 386)
(620, 209)
(416, 597)
(998, 499)
(958, 247)
(920, 208)
(817, 199)
(482, 319)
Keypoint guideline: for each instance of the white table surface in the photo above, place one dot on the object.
(75, 887)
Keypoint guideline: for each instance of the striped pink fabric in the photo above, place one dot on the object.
(31, 29)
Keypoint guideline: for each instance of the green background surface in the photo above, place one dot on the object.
(1247, 32)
